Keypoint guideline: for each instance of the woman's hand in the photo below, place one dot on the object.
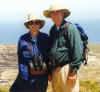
(49, 77)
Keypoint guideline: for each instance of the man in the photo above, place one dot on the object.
(65, 51)
(32, 58)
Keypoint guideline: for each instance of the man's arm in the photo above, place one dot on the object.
(76, 48)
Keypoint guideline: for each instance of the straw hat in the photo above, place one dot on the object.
(57, 7)
(31, 19)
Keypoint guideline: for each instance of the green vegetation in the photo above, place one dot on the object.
(86, 86)
(89, 86)
(4, 88)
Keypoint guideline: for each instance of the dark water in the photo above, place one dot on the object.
(10, 32)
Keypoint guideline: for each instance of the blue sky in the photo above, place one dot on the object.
(13, 14)
(14, 10)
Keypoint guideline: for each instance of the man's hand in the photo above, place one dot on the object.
(71, 79)
(72, 76)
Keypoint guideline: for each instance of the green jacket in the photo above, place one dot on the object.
(66, 49)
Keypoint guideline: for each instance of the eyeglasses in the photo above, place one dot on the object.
(37, 22)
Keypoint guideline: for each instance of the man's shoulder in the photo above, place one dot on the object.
(69, 26)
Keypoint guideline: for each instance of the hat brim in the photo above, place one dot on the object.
(38, 21)
(47, 13)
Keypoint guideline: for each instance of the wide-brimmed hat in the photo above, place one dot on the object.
(57, 7)
(31, 19)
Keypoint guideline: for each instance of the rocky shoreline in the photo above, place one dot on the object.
(8, 66)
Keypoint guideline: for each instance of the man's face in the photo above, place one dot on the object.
(34, 28)
(57, 17)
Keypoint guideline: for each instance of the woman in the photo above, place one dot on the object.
(32, 58)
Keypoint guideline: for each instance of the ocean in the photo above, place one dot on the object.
(10, 32)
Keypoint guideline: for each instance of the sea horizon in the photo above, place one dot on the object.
(11, 32)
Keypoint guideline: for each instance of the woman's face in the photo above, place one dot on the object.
(34, 29)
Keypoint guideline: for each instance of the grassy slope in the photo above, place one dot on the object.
(91, 85)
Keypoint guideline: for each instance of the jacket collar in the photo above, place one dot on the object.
(63, 22)
(30, 37)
